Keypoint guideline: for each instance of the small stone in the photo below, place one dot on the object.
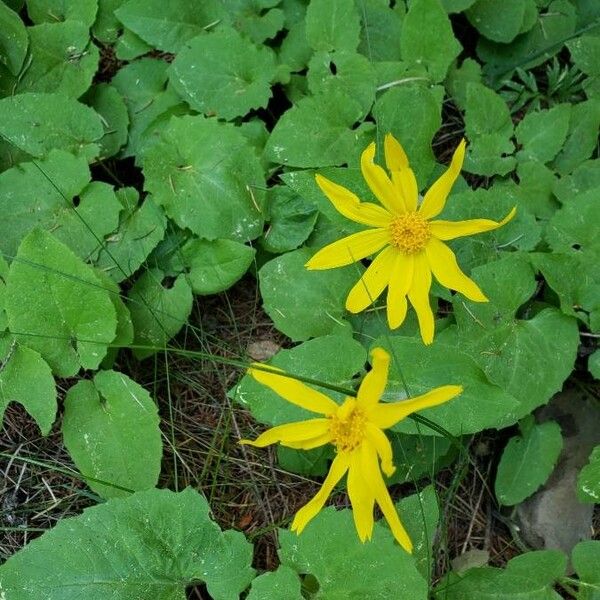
(262, 350)
(470, 559)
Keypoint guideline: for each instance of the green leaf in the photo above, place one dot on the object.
(130, 46)
(57, 306)
(98, 433)
(585, 558)
(257, 18)
(332, 25)
(594, 364)
(169, 25)
(333, 359)
(295, 51)
(543, 133)
(412, 114)
(149, 546)
(329, 545)
(213, 266)
(459, 78)
(584, 178)
(281, 584)
(207, 178)
(456, 6)
(588, 480)
(51, 11)
(3, 277)
(26, 378)
(500, 24)
(527, 462)
(427, 39)
(224, 74)
(107, 27)
(141, 228)
(158, 312)
(13, 39)
(38, 123)
(381, 30)
(482, 405)
(489, 128)
(62, 59)
(303, 303)
(585, 53)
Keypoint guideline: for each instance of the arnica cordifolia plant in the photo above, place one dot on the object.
(355, 428)
(411, 243)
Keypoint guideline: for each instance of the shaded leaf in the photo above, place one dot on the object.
(332, 25)
(13, 39)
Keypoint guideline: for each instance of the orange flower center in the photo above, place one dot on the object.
(347, 429)
(410, 233)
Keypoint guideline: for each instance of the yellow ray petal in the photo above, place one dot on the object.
(436, 195)
(388, 414)
(405, 183)
(373, 385)
(442, 262)
(379, 182)
(374, 280)
(350, 249)
(295, 391)
(382, 445)
(311, 443)
(338, 468)
(290, 433)
(399, 284)
(419, 297)
(449, 230)
(395, 157)
(362, 500)
(349, 205)
(372, 475)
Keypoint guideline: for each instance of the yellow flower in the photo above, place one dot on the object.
(412, 243)
(355, 428)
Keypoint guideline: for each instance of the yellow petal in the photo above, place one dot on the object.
(444, 267)
(395, 157)
(386, 415)
(350, 249)
(374, 382)
(405, 183)
(436, 195)
(383, 447)
(419, 297)
(449, 230)
(311, 443)
(339, 466)
(369, 287)
(290, 433)
(372, 475)
(349, 205)
(294, 391)
(379, 182)
(362, 500)
(399, 284)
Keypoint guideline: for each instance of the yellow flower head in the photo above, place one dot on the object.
(411, 243)
(355, 428)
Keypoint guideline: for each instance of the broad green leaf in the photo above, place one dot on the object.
(62, 59)
(57, 306)
(158, 312)
(38, 123)
(332, 25)
(527, 462)
(51, 11)
(258, 19)
(111, 430)
(593, 364)
(26, 378)
(585, 53)
(3, 278)
(109, 104)
(13, 39)
(585, 558)
(333, 359)
(489, 129)
(542, 134)
(499, 23)
(344, 567)
(481, 405)
(207, 178)
(107, 27)
(295, 51)
(215, 265)
(223, 73)
(317, 132)
(456, 6)
(536, 189)
(348, 72)
(149, 546)
(303, 303)
(584, 178)
(130, 46)
(141, 228)
(169, 25)
(459, 78)
(281, 584)
(291, 220)
(427, 39)
(588, 480)
(412, 114)
(381, 30)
